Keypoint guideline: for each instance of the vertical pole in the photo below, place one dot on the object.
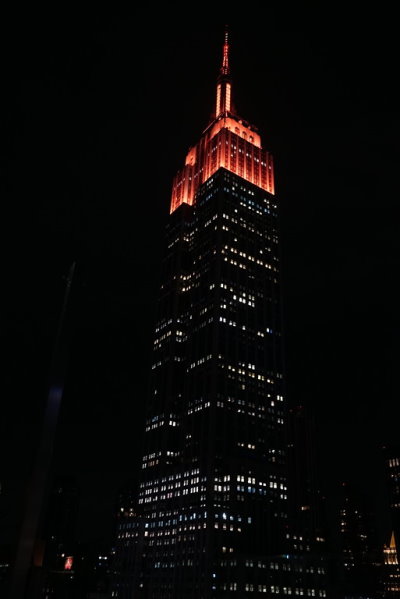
(38, 483)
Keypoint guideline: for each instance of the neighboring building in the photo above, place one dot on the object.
(360, 560)
(306, 499)
(213, 497)
(93, 570)
(55, 560)
(125, 545)
(60, 522)
(306, 502)
(391, 570)
(392, 468)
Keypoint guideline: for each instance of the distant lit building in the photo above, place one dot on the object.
(392, 471)
(391, 569)
(390, 553)
(212, 511)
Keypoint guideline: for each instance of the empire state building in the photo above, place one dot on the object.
(211, 513)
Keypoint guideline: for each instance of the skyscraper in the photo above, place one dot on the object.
(391, 455)
(360, 557)
(391, 570)
(212, 503)
(307, 507)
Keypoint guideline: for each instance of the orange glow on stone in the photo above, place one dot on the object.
(228, 97)
(227, 142)
(218, 104)
(230, 144)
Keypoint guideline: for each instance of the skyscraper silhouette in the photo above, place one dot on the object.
(212, 503)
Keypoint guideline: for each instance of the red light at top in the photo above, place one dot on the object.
(68, 563)
(228, 142)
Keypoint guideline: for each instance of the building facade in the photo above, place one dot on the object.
(391, 570)
(391, 456)
(360, 558)
(307, 509)
(123, 552)
(212, 515)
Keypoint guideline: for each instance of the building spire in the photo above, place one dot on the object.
(224, 85)
(393, 542)
(390, 553)
(225, 53)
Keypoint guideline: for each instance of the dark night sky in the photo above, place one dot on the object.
(98, 112)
